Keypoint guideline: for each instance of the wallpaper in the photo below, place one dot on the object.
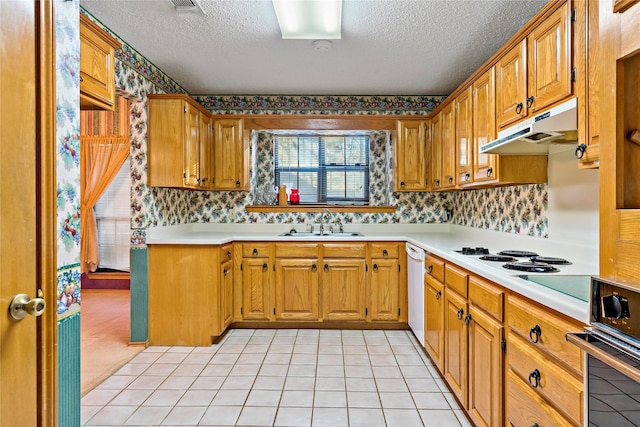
(68, 156)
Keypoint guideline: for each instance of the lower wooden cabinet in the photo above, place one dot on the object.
(456, 347)
(256, 287)
(434, 320)
(343, 289)
(384, 289)
(296, 289)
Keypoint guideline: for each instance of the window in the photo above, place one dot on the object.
(113, 212)
(324, 169)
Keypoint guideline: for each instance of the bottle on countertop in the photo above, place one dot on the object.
(282, 195)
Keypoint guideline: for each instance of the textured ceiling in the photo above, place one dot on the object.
(388, 47)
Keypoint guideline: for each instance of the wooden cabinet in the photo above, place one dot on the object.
(343, 289)
(541, 362)
(435, 154)
(179, 144)
(256, 289)
(434, 309)
(193, 313)
(537, 72)
(464, 136)
(385, 283)
(456, 350)
(443, 149)
(231, 156)
(226, 302)
(484, 127)
(97, 77)
(410, 156)
(297, 281)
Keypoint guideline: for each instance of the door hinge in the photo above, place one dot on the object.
(274, 267)
(366, 311)
(574, 75)
(398, 312)
(185, 110)
(366, 267)
(503, 345)
(240, 267)
(274, 311)
(574, 15)
(242, 310)
(398, 269)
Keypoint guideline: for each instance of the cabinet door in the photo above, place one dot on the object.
(549, 55)
(343, 286)
(486, 367)
(456, 345)
(297, 289)
(206, 152)
(410, 156)
(229, 166)
(191, 146)
(464, 136)
(484, 126)
(434, 320)
(165, 142)
(226, 292)
(256, 289)
(384, 290)
(448, 147)
(511, 86)
(436, 153)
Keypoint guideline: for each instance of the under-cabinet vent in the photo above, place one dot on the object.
(186, 6)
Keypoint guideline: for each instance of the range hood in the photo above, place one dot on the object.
(533, 136)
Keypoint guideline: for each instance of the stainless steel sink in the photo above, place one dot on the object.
(304, 234)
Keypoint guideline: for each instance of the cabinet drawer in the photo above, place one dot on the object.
(384, 250)
(545, 330)
(525, 408)
(456, 279)
(487, 296)
(546, 377)
(255, 250)
(434, 267)
(226, 253)
(345, 250)
(297, 250)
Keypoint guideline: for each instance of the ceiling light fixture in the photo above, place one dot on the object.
(309, 19)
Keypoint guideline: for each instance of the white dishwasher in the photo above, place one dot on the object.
(415, 285)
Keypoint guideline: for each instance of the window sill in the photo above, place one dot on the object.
(320, 208)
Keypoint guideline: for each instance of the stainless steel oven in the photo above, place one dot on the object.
(612, 347)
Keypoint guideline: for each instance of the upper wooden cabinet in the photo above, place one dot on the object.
(464, 136)
(443, 149)
(97, 80)
(410, 157)
(188, 149)
(537, 72)
(484, 126)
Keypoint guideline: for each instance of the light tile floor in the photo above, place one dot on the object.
(286, 377)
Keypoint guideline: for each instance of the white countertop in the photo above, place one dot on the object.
(439, 239)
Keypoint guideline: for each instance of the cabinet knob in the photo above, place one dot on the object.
(450, 180)
(460, 314)
(265, 267)
(238, 184)
(519, 108)
(255, 252)
(580, 150)
(534, 334)
(437, 183)
(489, 172)
(530, 101)
(375, 267)
(467, 176)
(225, 271)
(430, 269)
(326, 267)
(438, 295)
(534, 378)
(314, 268)
(402, 184)
(467, 319)
(385, 252)
(229, 254)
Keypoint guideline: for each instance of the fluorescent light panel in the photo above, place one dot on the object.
(309, 19)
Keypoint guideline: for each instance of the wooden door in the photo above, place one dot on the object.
(384, 290)
(436, 153)
(484, 126)
(434, 320)
(456, 345)
(27, 212)
(229, 155)
(343, 283)
(226, 290)
(448, 147)
(256, 289)
(191, 146)
(549, 57)
(297, 289)
(511, 86)
(464, 136)
(486, 368)
(410, 156)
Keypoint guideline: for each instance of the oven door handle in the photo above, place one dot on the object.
(579, 340)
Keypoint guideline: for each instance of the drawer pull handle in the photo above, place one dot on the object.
(467, 319)
(534, 378)
(580, 150)
(430, 269)
(229, 254)
(375, 267)
(265, 267)
(314, 268)
(255, 252)
(438, 295)
(385, 252)
(460, 314)
(519, 108)
(534, 334)
(326, 267)
(530, 101)
(489, 172)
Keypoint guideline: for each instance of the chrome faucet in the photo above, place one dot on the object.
(324, 211)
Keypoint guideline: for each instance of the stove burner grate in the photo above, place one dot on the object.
(498, 258)
(518, 254)
(550, 260)
(531, 267)
(473, 251)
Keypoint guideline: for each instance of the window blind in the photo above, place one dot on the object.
(324, 169)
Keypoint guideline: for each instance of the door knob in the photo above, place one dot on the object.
(21, 305)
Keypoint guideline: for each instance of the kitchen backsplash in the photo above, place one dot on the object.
(520, 210)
